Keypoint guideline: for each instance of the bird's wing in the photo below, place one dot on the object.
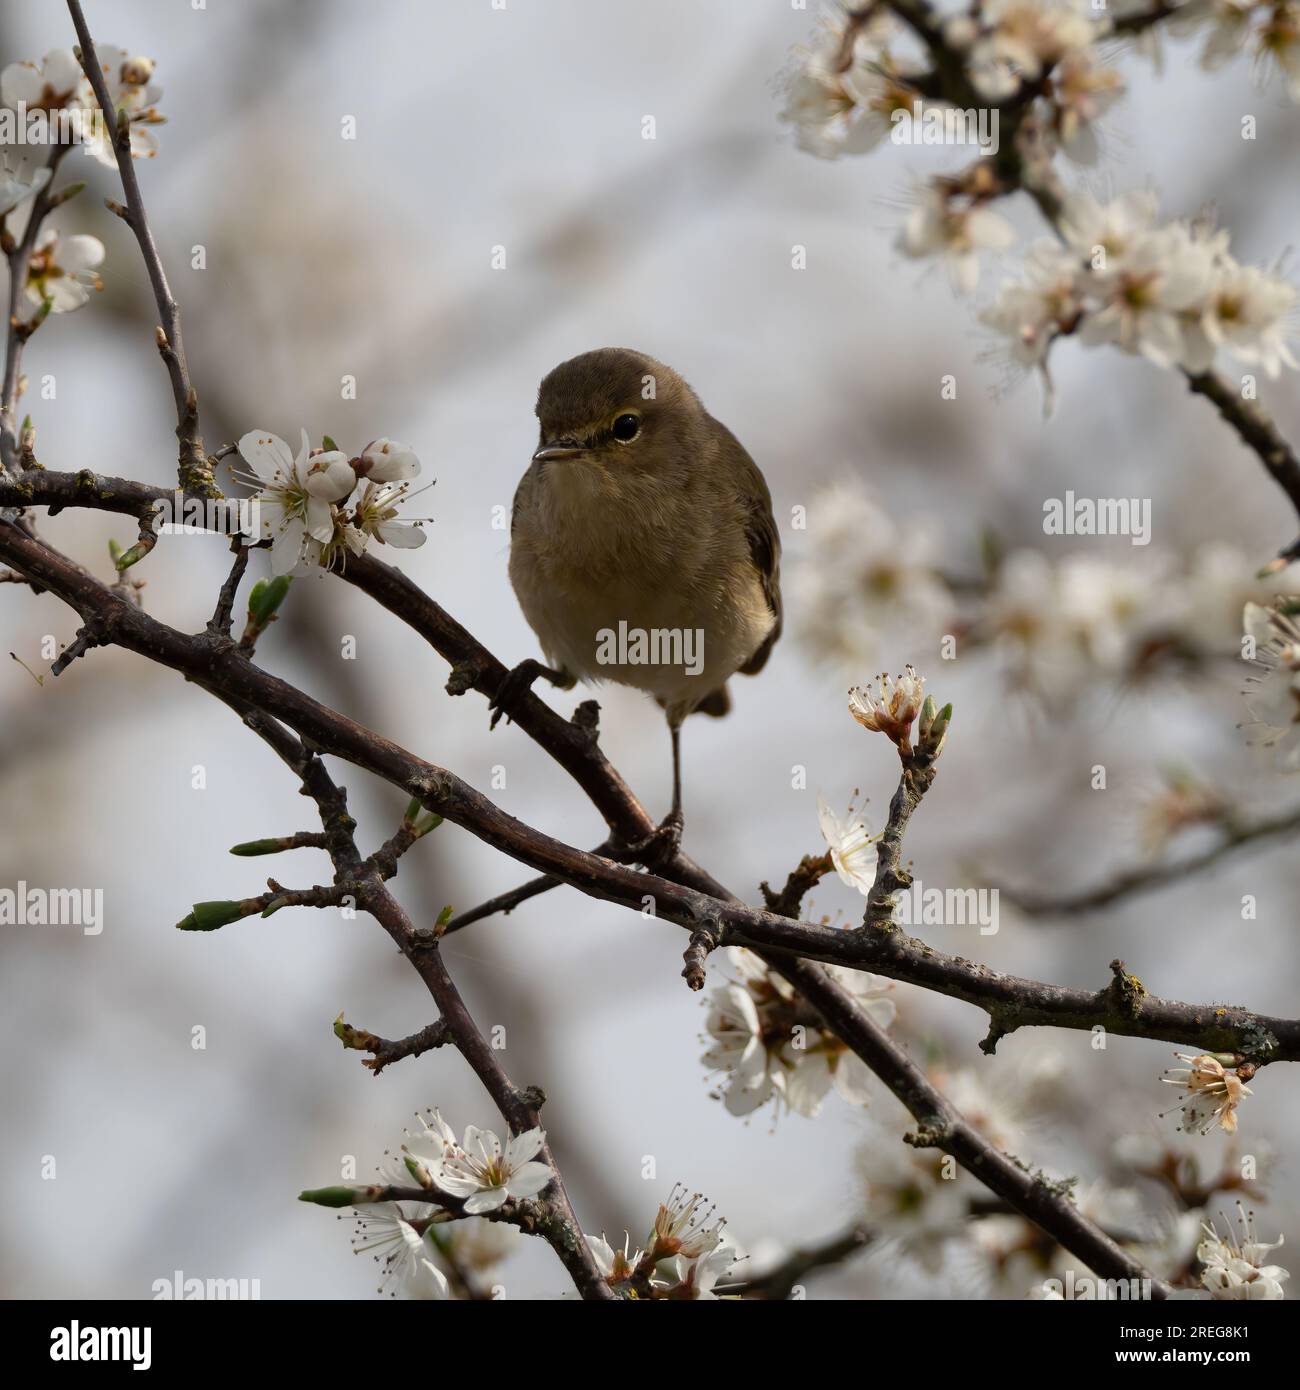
(765, 550)
(520, 498)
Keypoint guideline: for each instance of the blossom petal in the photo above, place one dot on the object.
(329, 475)
(390, 461)
(286, 549)
(487, 1200)
(524, 1146)
(529, 1178)
(405, 535)
(482, 1144)
(267, 455)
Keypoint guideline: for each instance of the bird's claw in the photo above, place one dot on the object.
(514, 685)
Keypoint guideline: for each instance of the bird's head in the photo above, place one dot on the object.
(617, 412)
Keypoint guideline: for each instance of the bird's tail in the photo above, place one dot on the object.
(716, 702)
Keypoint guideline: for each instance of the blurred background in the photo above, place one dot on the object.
(372, 257)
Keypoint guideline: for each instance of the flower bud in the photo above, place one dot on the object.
(211, 915)
(335, 1196)
(136, 72)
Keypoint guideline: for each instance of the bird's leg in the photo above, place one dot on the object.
(675, 815)
(519, 680)
(665, 840)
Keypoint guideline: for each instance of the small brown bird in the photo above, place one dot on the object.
(642, 546)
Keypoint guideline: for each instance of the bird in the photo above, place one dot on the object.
(643, 548)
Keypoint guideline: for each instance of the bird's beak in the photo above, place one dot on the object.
(564, 449)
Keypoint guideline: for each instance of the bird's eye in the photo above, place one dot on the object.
(626, 427)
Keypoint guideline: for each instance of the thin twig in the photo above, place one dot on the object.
(504, 903)
(18, 332)
(193, 470)
(780, 1282)
(385, 1052)
(1149, 877)
(223, 615)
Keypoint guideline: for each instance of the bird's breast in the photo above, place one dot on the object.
(639, 594)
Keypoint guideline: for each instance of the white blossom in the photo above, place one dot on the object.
(824, 1063)
(1229, 28)
(911, 1202)
(616, 1265)
(22, 175)
(64, 270)
(767, 1052)
(1212, 1093)
(1207, 599)
(1031, 313)
(1234, 1262)
(684, 1226)
(1248, 312)
(1274, 695)
(487, 1175)
(864, 574)
(1165, 274)
(850, 844)
(1029, 37)
(401, 1251)
(1279, 39)
(843, 91)
(131, 90)
(386, 461)
(49, 85)
(295, 495)
(1105, 234)
(374, 516)
(956, 229)
(739, 1050)
(697, 1278)
(684, 1257)
(1083, 90)
(425, 1149)
(892, 707)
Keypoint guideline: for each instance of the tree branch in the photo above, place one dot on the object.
(193, 470)
(1149, 877)
(1012, 1002)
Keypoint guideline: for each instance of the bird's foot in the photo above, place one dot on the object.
(517, 683)
(657, 848)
